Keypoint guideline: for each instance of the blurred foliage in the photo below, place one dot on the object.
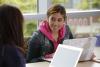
(96, 4)
(89, 4)
(30, 27)
(83, 5)
(59, 1)
(25, 6)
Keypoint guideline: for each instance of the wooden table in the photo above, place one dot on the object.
(81, 64)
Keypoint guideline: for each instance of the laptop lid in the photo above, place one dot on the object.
(66, 56)
(87, 44)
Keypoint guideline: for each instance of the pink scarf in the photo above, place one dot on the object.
(45, 29)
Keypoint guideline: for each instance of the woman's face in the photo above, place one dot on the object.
(56, 21)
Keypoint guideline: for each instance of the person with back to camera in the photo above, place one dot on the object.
(51, 32)
(11, 37)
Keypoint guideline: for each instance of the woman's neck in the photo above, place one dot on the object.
(55, 35)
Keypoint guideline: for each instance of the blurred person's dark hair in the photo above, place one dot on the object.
(11, 26)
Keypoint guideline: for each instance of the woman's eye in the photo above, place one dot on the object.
(60, 20)
(53, 19)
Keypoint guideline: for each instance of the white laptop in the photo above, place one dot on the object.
(66, 56)
(87, 44)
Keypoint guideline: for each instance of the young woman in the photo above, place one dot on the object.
(11, 37)
(51, 33)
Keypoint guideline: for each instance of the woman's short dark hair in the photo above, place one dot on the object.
(11, 25)
(57, 8)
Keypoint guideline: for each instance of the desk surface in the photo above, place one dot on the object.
(81, 64)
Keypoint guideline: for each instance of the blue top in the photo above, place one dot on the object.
(10, 56)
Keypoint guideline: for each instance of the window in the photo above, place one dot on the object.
(29, 7)
(26, 6)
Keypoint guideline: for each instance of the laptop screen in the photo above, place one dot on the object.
(66, 56)
(87, 44)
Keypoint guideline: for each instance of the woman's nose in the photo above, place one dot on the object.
(56, 23)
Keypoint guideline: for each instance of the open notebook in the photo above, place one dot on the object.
(87, 44)
(66, 56)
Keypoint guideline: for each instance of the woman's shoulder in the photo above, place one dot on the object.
(67, 26)
(67, 29)
(10, 50)
(68, 33)
(37, 34)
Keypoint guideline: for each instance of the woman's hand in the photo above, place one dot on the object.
(93, 58)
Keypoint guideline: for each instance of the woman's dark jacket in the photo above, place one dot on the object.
(39, 45)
